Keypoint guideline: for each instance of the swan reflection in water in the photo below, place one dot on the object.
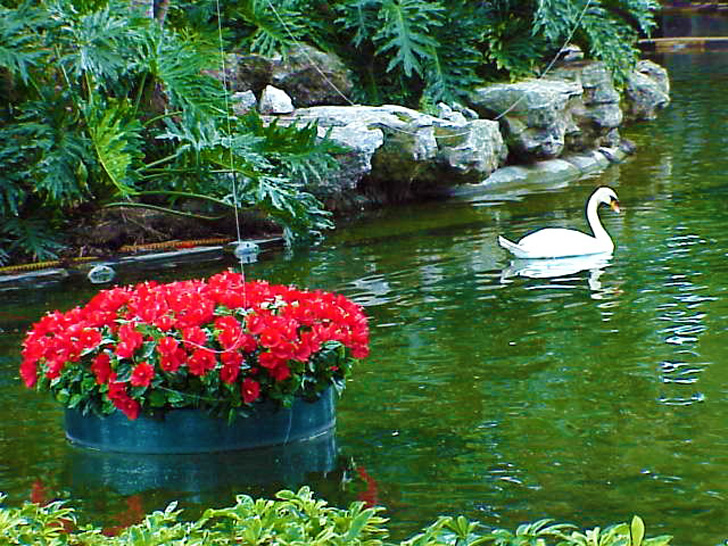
(560, 267)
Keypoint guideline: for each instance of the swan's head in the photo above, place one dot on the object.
(607, 196)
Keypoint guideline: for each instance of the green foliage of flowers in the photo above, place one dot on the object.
(297, 518)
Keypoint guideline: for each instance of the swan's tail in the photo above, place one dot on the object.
(510, 246)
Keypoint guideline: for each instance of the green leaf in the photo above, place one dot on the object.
(637, 531)
(116, 137)
(405, 33)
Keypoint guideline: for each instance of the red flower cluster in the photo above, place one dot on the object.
(219, 344)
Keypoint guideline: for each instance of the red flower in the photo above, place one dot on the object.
(29, 373)
(129, 340)
(101, 367)
(142, 374)
(201, 361)
(269, 360)
(172, 356)
(230, 333)
(117, 389)
(172, 361)
(231, 362)
(281, 372)
(250, 389)
(129, 407)
(194, 337)
(167, 345)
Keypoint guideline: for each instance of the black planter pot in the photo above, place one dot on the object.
(183, 431)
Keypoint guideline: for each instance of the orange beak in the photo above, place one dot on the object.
(615, 205)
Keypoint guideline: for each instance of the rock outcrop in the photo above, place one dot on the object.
(646, 92)
(595, 112)
(533, 115)
(395, 153)
(312, 77)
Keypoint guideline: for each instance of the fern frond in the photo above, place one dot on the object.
(13, 171)
(611, 42)
(99, 41)
(295, 152)
(359, 16)
(177, 63)
(511, 48)
(453, 69)
(554, 20)
(406, 33)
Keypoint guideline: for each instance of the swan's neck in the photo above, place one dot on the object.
(600, 234)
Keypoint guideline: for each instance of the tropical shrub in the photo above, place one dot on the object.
(421, 51)
(295, 518)
(104, 107)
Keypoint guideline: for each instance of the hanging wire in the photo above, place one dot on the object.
(233, 172)
(553, 61)
(441, 137)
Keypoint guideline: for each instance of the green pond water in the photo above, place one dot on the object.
(587, 398)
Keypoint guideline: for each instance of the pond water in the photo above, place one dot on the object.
(586, 398)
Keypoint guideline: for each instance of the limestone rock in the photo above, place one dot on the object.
(312, 77)
(445, 112)
(647, 91)
(533, 115)
(470, 151)
(275, 101)
(243, 102)
(596, 113)
(396, 153)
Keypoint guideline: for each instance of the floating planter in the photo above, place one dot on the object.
(196, 366)
(189, 430)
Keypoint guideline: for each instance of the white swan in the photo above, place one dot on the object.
(561, 242)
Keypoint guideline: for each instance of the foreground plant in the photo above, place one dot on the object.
(220, 344)
(296, 518)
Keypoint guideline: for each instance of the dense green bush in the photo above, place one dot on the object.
(296, 519)
(102, 107)
(420, 51)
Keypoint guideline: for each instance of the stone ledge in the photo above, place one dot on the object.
(562, 169)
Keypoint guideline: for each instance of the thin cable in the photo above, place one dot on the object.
(236, 204)
(553, 61)
(308, 57)
(440, 137)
